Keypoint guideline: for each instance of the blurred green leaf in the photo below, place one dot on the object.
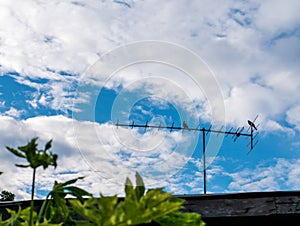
(136, 208)
(129, 190)
(16, 152)
(14, 218)
(72, 181)
(140, 187)
(178, 218)
(55, 207)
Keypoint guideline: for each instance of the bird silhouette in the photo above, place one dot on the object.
(252, 124)
(184, 125)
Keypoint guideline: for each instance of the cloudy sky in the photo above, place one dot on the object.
(70, 70)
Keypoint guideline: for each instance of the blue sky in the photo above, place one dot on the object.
(54, 84)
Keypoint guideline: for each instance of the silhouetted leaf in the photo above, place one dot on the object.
(71, 181)
(16, 152)
(48, 145)
(22, 166)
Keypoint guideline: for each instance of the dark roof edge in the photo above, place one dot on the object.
(240, 195)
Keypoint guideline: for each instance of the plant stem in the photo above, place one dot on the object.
(33, 184)
(32, 197)
(43, 209)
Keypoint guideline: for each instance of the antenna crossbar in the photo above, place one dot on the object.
(235, 134)
(183, 128)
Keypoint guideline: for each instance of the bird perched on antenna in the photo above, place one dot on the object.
(252, 124)
(184, 125)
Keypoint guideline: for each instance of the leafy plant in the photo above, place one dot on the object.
(137, 208)
(35, 158)
(54, 210)
(55, 207)
(22, 218)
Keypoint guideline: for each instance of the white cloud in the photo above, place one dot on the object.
(277, 175)
(273, 126)
(13, 112)
(273, 16)
(293, 116)
(41, 39)
(294, 174)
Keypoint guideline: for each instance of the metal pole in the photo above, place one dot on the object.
(251, 138)
(204, 163)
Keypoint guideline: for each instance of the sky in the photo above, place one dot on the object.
(71, 70)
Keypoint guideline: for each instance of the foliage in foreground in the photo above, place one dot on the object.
(138, 207)
(35, 159)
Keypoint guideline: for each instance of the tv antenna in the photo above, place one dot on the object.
(251, 132)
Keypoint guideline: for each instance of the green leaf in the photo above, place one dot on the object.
(107, 206)
(71, 181)
(137, 208)
(16, 152)
(140, 187)
(57, 207)
(34, 156)
(48, 223)
(89, 210)
(129, 190)
(77, 192)
(25, 214)
(14, 217)
(48, 145)
(180, 219)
